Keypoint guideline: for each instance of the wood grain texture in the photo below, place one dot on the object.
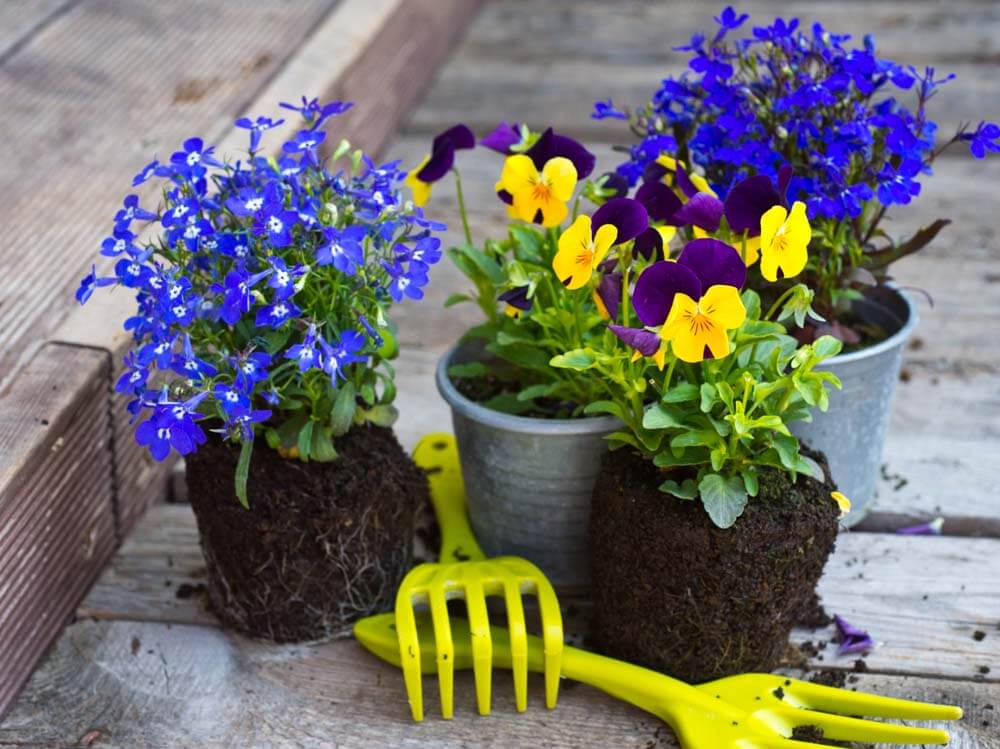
(549, 67)
(56, 519)
(923, 616)
(73, 87)
(22, 19)
(141, 684)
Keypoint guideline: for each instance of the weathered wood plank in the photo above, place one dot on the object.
(20, 19)
(154, 685)
(73, 87)
(925, 615)
(56, 519)
(520, 62)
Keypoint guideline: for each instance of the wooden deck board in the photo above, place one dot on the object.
(925, 616)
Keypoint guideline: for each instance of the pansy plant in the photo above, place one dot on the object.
(849, 128)
(262, 291)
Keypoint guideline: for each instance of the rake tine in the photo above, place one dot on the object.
(482, 644)
(518, 644)
(409, 655)
(843, 728)
(445, 649)
(552, 635)
(833, 700)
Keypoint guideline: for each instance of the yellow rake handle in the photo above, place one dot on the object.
(437, 454)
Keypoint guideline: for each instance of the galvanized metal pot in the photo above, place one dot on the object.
(852, 432)
(528, 481)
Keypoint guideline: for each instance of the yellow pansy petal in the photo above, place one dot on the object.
(602, 310)
(700, 233)
(421, 190)
(574, 262)
(660, 357)
(842, 502)
(554, 212)
(797, 224)
(559, 175)
(689, 348)
(668, 162)
(723, 306)
(749, 248)
(714, 336)
(795, 254)
(603, 240)
(770, 224)
(519, 173)
(666, 234)
(511, 311)
(702, 184)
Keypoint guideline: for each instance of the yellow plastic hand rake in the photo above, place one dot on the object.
(463, 571)
(751, 711)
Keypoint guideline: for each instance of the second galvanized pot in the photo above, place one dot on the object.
(528, 481)
(852, 432)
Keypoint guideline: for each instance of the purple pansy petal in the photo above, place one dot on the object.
(550, 145)
(649, 245)
(442, 159)
(660, 201)
(615, 182)
(684, 182)
(517, 297)
(748, 201)
(627, 215)
(609, 289)
(506, 197)
(656, 287)
(502, 138)
(654, 171)
(933, 528)
(785, 174)
(714, 263)
(702, 210)
(460, 137)
(851, 638)
(645, 342)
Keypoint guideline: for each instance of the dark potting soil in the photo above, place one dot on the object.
(322, 544)
(501, 395)
(677, 594)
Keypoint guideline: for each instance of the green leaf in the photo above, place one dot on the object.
(826, 346)
(685, 490)
(243, 472)
(578, 359)
(689, 457)
(508, 403)
(305, 441)
(724, 498)
(468, 369)
(708, 397)
(368, 393)
(344, 406)
(605, 407)
(696, 438)
(658, 416)
(536, 391)
(528, 243)
(483, 262)
(276, 339)
(811, 390)
(681, 393)
(454, 299)
(272, 437)
(749, 475)
(383, 415)
(521, 355)
(322, 447)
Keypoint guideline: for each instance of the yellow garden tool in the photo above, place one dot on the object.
(752, 711)
(463, 571)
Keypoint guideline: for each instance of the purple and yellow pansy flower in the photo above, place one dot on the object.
(438, 162)
(585, 244)
(516, 301)
(539, 196)
(695, 300)
(784, 239)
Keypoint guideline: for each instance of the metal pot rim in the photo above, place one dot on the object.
(894, 341)
(508, 422)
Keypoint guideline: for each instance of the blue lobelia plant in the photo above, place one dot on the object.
(263, 293)
(841, 128)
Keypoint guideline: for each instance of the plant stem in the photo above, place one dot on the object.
(461, 207)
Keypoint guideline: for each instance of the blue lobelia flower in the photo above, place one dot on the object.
(234, 245)
(239, 293)
(424, 253)
(604, 110)
(230, 399)
(153, 168)
(133, 379)
(191, 160)
(985, 138)
(121, 240)
(172, 425)
(283, 279)
(244, 419)
(250, 369)
(343, 248)
(405, 282)
(131, 211)
(277, 314)
(305, 142)
(315, 113)
(247, 202)
(188, 365)
(90, 282)
(342, 353)
(273, 220)
(305, 353)
(257, 127)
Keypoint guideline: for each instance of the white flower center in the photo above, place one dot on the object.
(254, 204)
(275, 224)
